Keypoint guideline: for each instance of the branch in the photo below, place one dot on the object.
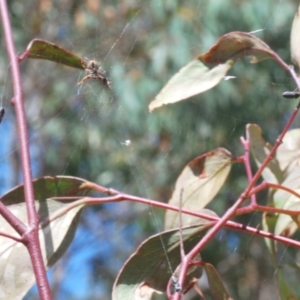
(30, 234)
(9, 236)
(246, 161)
(125, 197)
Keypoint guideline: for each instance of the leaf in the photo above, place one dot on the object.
(216, 285)
(147, 270)
(200, 181)
(287, 272)
(16, 275)
(285, 225)
(207, 70)
(268, 224)
(191, 80)
(295, 39)
(41, 49)
(260, 149)
(172, 219)
(288, 153)
(286, 292)
(235, 45)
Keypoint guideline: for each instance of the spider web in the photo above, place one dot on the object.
(141, 46)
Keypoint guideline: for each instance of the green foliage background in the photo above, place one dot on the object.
(83, 132)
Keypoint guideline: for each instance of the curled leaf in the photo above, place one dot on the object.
(235, 45)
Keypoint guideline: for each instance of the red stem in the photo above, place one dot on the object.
(231, 211)
(31, 235)
(254, 206)
(121, 197)
(246, 161)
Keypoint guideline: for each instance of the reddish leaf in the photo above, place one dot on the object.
(295, 39)
(235, 45)
(41, 49)
(200, 181)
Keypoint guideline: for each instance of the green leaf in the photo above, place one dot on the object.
(260, 149)
(207, 70)
(216, 285)
(282, 198)
(200, 181)
(288, 153)
(16, 275)
(286, 293)
(295, 39)
(287, 272)
(286, 225)
(268, 224)
(147, 270)
(191, 80)
(41, 49)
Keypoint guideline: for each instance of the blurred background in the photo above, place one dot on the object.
(110, 137)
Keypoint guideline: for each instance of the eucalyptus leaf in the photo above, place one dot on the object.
(16, 274)
(148, 269)
(199, 182)
(42, 49)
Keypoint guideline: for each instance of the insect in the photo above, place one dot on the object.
(94, 70)
(2, 113)
(291, 95)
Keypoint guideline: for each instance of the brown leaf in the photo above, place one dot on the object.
(235, 45)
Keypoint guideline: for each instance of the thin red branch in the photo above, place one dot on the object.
(12, 237)
(125, 197)
(246, 161)
(255, 207)
(265, 185)
(31, 234)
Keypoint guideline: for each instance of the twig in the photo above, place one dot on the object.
(246, 161)
(126, 197)
(9, 236)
